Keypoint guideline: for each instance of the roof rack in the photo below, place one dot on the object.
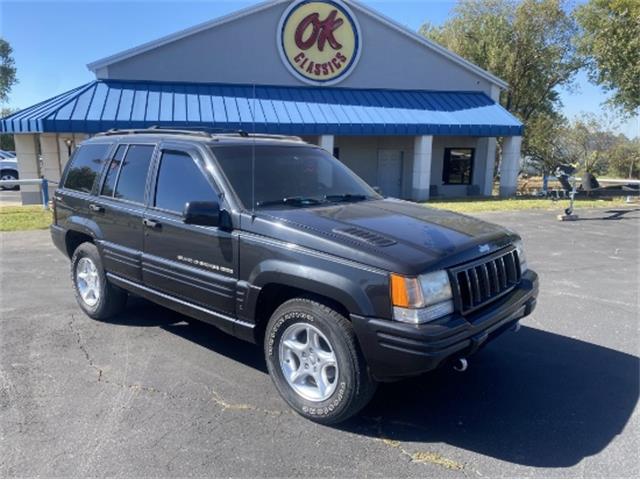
(155, 129)
(197, 131)
(261, 135)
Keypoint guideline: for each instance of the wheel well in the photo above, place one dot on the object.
(9, 170)
(273, 295)
(73, 239)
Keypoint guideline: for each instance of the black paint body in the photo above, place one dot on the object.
(217, 274)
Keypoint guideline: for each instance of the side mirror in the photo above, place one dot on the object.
(206, 214)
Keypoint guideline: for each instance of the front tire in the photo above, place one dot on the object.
(98, 297)
(315, 361)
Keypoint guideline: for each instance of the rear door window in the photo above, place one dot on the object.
(86, 165)
(133, 173)
(180, 181)
(112, 172)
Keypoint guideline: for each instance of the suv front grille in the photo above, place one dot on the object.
(480, 282)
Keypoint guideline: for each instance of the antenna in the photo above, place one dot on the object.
(253, 154)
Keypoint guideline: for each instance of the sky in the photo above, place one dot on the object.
(54, 40)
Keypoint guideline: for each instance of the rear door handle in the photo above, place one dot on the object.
(151, 223)
(96, 208)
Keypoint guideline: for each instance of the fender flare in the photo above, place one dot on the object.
(84, 225)
(314, 280)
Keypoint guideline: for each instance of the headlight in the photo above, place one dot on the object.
(523, 259)
(421, 299)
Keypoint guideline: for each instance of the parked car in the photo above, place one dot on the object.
(8, 170)
(276, 242)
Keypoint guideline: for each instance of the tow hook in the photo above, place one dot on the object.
(516, 328)
(460, 365)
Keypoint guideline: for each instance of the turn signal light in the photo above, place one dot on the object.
(406, 292)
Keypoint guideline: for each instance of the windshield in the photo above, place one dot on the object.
(289, 176)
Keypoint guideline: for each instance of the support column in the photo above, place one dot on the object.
(63, 148)
(422, 149)
(51, 162)
(489, 166)
(509, 166)
(28, 168)
(326, 142)
(66, 141)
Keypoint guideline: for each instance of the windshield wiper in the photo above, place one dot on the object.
(297, 201)
(346, 197)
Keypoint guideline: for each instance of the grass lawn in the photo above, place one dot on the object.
(24, 218)
(35, 218)
(466, 205)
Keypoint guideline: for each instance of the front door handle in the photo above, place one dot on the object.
(96, 208)
(151, 223)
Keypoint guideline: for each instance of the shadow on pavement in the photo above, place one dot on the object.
(533, 398)
(142, 313)
(612, 215)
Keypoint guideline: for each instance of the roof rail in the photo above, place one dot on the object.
(261, 135)
(153, 129)
(197, 131)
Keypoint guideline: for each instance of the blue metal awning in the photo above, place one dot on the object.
(105, 104)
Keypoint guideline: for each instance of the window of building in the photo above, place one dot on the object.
(458, 166)
(180, 181)
(133, 173)
(112, 171)
(85, 167)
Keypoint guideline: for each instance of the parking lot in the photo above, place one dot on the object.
(151, 394)
(10, 198)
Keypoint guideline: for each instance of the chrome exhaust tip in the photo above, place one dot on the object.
(460, 365)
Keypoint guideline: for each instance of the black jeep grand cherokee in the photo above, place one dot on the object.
(275, 241)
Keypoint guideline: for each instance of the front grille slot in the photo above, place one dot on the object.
(485, 280)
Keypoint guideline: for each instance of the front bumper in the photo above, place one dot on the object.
(394, 350)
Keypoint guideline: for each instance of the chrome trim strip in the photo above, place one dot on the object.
(182, 302)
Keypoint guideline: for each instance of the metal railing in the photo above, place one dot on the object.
(42, 182)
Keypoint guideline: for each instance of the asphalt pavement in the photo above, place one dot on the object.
(150, 394)
(10, 198)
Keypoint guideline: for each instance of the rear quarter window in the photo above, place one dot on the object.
(85, 167)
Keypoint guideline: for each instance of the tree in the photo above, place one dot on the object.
(624, 158)
(611, 44)
(6, 139)
(7, 70)
(588, 142)
(531, 45)
(545, 147)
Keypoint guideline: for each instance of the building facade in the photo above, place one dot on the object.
(405, 114)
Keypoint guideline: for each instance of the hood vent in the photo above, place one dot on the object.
(365, 236)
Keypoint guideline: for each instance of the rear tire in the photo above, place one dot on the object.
(98, 297)
(9, 175)
(315, 361)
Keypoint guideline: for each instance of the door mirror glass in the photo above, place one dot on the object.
(202, 213)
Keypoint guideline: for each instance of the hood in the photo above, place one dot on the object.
(391, 234)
